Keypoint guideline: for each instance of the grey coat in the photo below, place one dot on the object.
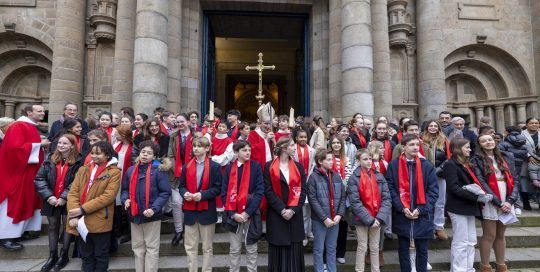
(527, 167)
(319, 195)
(358, 214)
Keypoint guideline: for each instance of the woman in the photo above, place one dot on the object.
(359, 134)
(73, 127)
(152, 132)
(106, 124)
(370, 202)
(139, 122)
(91, 199)
(380, 134)
(516, 143)
(285, 190)
(495, 171)
(439, 147)
(320, 134)
(462, 205)
(124, 148)
(145, 190)
(52, 183)
(533, 147)
(326, 194)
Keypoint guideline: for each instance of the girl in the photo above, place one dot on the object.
(73, 127)
(379, 164)
(93, 136)
(350, 149)
(124, 148)
(126, 121)
(153, 133)
(91, 199)
(495, 171)
(52, 182)
(105, 124)
(139, 122)
(283, 127)
(326, 194)
(380, 133)
(145, 190)
(285, 190)
(359, 135)
(320, 134)
(368, 194)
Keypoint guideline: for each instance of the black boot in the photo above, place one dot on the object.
(10, 245)
(53, 258)
(63, 261)
(526, 203)
(177, 238)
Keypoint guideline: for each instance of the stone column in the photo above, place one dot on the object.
(175, 55)
(532, 109)
(9, 109)
(479, 111)
(67, 72)
(499, 118)
(123, 54)
(521, 112)
(431, 77)
(151, 52)
(334, 56)
(511, 114)
(382, 81)
(356, 58)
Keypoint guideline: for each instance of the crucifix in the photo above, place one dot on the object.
(260, 68)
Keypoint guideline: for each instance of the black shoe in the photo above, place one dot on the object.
(63, 261)
(179, 236)
(29, 236)
(10, 245)
(124, 239)
(388, 235)
(53, 258)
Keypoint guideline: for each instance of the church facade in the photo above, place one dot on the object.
(333, 57)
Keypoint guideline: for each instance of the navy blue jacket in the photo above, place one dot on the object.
(214, 189)
(57, 127)
(160, 191)
(256, 186)
(421, 228)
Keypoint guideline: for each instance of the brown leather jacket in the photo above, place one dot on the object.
(99, 204)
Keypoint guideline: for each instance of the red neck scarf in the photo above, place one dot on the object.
(191, 184)
(361, 137)
(303, 159)
(341, 169)
(237, 197)
(295, 183)
(109, 131)
(187, 154)
(448, 150)
(163, 129)
(387, 150)
(133, 188)
(492, 181)
(382, 167)
(473, 176)
(399, 136)
(61, 171)
(87, 186)
(88, 159)
(369, 193)
(421, 151)
(404, 183)
(328, 176)
(135, 133)
(127, 156)
(234, 133)
(78, 138)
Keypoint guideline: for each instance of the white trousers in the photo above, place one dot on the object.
(438, 216)
(463, 242)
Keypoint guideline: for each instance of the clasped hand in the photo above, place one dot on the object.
(411, 215)
(241, 217)
(287, 214)
(192, 197)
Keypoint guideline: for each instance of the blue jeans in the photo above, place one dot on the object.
(324, 237)
(421, 247)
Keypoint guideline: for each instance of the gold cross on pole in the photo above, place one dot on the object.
(260, 67)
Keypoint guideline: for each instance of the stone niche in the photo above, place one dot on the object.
(18, 3)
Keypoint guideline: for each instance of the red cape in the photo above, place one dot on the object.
(220, 145)
(258, 149)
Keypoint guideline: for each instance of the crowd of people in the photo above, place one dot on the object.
(286, 181)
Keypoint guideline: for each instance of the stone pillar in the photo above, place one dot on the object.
(356, 58)
(382, 81)
(479, 112)
(532, 109)
(431, 77)
(334, 56)
(499, 118)
(175, 55)
(511, 114)
(9, 109)
(123, 54)
(67, 72)
(151, 52)
(521, 112)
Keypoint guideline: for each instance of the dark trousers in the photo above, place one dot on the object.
(421, 247)
(95, 251)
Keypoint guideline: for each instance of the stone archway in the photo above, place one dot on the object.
(484, 80)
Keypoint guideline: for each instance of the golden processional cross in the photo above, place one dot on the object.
(260, 67)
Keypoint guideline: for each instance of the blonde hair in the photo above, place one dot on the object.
(373, 148)
(5, 122)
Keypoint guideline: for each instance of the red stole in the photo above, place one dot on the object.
(448, 150)
(387, 149)
(127, 156)
(404, 182)
(78, 139)
(303, 158)
(163, 129)
(295, 182)
(382, 167)
(278, 135)
(421, 151)
(187, 154)
(341, 169)
(100, 170)
(328, 176)
(369, 193)
(109, 131)
(361, 138)
(237, 197)
(88, 159)
(234, 133)
(191, 184)
(473, 176)
(61, 171)
(492, 181)
(133, 188)
(135, 133)
(399, 136)
(220, 145)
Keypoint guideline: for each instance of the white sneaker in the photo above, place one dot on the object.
(324, 268)
(304, 242)
(341, 260)
(412, 254)
(518, 211)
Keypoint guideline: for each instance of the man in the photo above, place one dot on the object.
(368, 124)
(158, 111)
(262, 138)
(70, 111)
(128, 111)
(167, 122)
(194, 120)
(21, 156)
(459, 125)
(233, 117)
(445, 118)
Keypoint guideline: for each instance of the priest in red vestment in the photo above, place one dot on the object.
(21, 156)
(262, 138)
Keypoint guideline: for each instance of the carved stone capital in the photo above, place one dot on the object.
(103, 19)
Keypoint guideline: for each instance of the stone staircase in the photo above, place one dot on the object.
(523, 253)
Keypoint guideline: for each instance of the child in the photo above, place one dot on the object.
(105, 124)
(283, 126)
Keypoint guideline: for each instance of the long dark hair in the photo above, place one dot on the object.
(146, 131)
(486, 161)
(456, 146)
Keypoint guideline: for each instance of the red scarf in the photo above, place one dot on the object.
(191, 184)
(369, 193)
(341, 169)
(88, 159)
(328, 176)
(492, 181)
(237, 199)
(234, 133)
(135, 133)
(109, 131)
(422, 148)
(399, 136)
(133, 188)
(382, 167)
(295, 183)
(78, 138)
(473, 176)
(387, 150)
(361, 137)
(61, 171)
(187, 154)
(303, 159)
(448, 150)
(404, 183)
(163, 129)
(127, 156)
(100, 170)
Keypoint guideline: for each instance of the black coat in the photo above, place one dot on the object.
(279, 231)
(57, 127)
(459, 200)
(163, 143)
(356, 141)
(515, 143)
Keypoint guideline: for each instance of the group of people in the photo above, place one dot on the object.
(276, 180)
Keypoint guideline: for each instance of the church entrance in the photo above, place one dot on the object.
(233, 40)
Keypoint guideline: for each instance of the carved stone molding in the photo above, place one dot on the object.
(103, 19)
(399, 23)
